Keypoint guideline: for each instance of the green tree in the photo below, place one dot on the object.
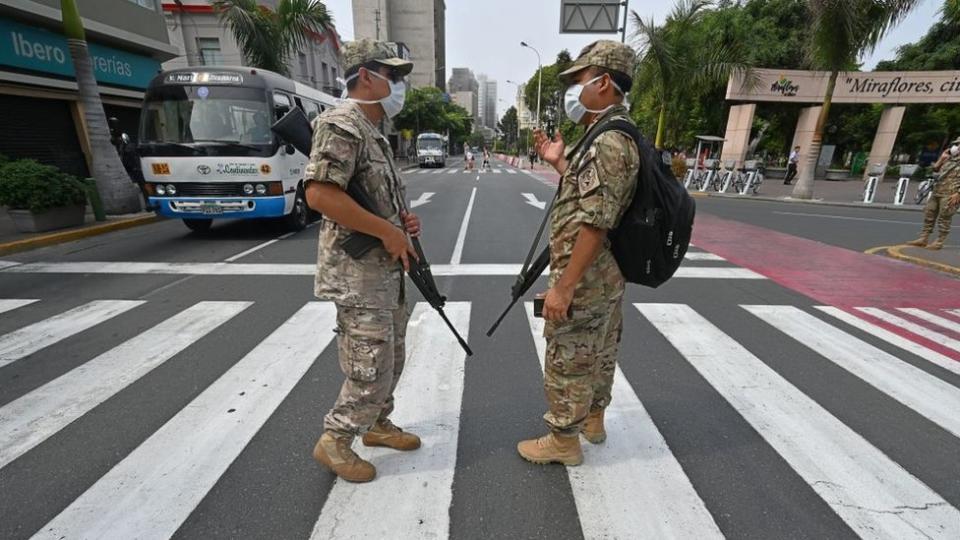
(118, 193)
(508, 126)
(429, 109)
(268, 38)
(673, 65)
(840, 32)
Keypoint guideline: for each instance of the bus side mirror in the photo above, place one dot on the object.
(289, 149)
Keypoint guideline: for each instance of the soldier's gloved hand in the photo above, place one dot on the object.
(399, 248)
(412, 224)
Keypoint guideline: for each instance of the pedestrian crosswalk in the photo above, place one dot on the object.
(902, 355)
(454, 170)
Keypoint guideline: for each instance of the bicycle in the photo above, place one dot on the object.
(711, 166)
(754, 176)
(725, 176)
(924, 189)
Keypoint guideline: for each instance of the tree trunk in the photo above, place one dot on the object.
(804, 187)
(118, 193)
(661, 127)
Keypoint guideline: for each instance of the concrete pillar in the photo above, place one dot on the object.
(739, 124)
(803, 136)
(886, 136)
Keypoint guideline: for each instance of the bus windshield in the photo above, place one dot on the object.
(430, 144)
(206, 120)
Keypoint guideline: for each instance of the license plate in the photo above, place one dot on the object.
(211, 208)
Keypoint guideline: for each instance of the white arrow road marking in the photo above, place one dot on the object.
(424, 199)
(532, 200)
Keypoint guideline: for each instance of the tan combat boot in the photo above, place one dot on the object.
(552, 448)
(335, 453)
(919, 242)
(384, 433)
(936, 244)
(593, 430)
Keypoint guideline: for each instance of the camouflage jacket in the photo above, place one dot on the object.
(348, 148)
(949, 182)
(596, 189)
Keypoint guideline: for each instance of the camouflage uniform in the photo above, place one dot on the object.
(595, 190)
(938, 210)
(369, 292)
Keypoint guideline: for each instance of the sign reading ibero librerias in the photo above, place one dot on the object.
(35, 49)
(895, 87)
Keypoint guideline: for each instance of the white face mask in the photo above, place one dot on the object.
(392, 103)
(954, 150)
(575, 109)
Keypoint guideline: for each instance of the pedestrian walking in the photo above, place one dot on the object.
(532, 155)
(944, 200)
(596, 187)
(792, 166)
(368, 292)
(486, 159)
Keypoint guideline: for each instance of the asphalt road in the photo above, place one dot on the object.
(168, 384)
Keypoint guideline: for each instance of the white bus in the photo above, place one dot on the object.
(207, 151)
(431, 150)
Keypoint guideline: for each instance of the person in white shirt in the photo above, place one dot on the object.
(792, 166)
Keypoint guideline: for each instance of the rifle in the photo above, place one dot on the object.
(528, 276)
(295, 129)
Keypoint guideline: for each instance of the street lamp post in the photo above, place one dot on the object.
(539, 77)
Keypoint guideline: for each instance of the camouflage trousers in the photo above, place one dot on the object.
(371, 350)
(938, 212)
(581, 358)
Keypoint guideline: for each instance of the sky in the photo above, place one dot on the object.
(485, 35)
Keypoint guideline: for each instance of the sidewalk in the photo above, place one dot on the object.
(12, 240)
(831, 193)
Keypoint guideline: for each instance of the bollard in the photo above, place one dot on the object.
(901, 194)
(94, 197)
(870, 190)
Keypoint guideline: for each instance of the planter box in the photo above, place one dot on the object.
(776, 173)
(57, 218)
(837, 174)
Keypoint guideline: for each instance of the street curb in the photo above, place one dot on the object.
(69, 236)
(813, 202)
(894, 251)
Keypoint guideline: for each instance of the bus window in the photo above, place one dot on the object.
(281, 104)
(311, 108)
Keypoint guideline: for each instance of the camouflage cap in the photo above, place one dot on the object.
(606, 54)
(361, 51)
(956, 141)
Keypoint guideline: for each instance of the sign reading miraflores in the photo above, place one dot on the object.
(35, 49)
(852, 87)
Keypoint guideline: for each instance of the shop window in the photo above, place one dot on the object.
(149, 4)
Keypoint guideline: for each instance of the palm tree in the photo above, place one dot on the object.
(673, 65)
(268, 38)
(840, 32)
(118, 193)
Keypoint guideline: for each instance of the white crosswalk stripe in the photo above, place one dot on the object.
(913, 327)
(915, 388)
(438, 171)
(34, 337)
(12, 304)
(497, 171)
(428, 403)
(453, 171)
(875, 496)
(893, 339)
(30, 420)
(635, 454)
(511, 171)
(153, 490)
(942, 322)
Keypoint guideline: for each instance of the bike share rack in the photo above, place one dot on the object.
(906, 171)
(728, 170)
(751, 167)
(873, 180)
(711, 169)
(691, 171)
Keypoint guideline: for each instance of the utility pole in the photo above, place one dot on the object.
(376, 18)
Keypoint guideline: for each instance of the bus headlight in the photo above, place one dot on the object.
(161, 190)
(171, 190)
(261, 189)
(248, 189)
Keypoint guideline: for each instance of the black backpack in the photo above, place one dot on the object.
(652, 238)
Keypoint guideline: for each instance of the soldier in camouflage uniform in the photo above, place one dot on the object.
(944, 200)
(368, 292)
(596, 187)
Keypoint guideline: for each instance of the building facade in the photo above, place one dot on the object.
(42, 119)
(524, 116)
(195, 29)
(418, 24)
(467, 100)
(463, 82)
(489, 93)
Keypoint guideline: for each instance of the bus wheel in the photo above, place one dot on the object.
(300, 215)
(198, 225)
